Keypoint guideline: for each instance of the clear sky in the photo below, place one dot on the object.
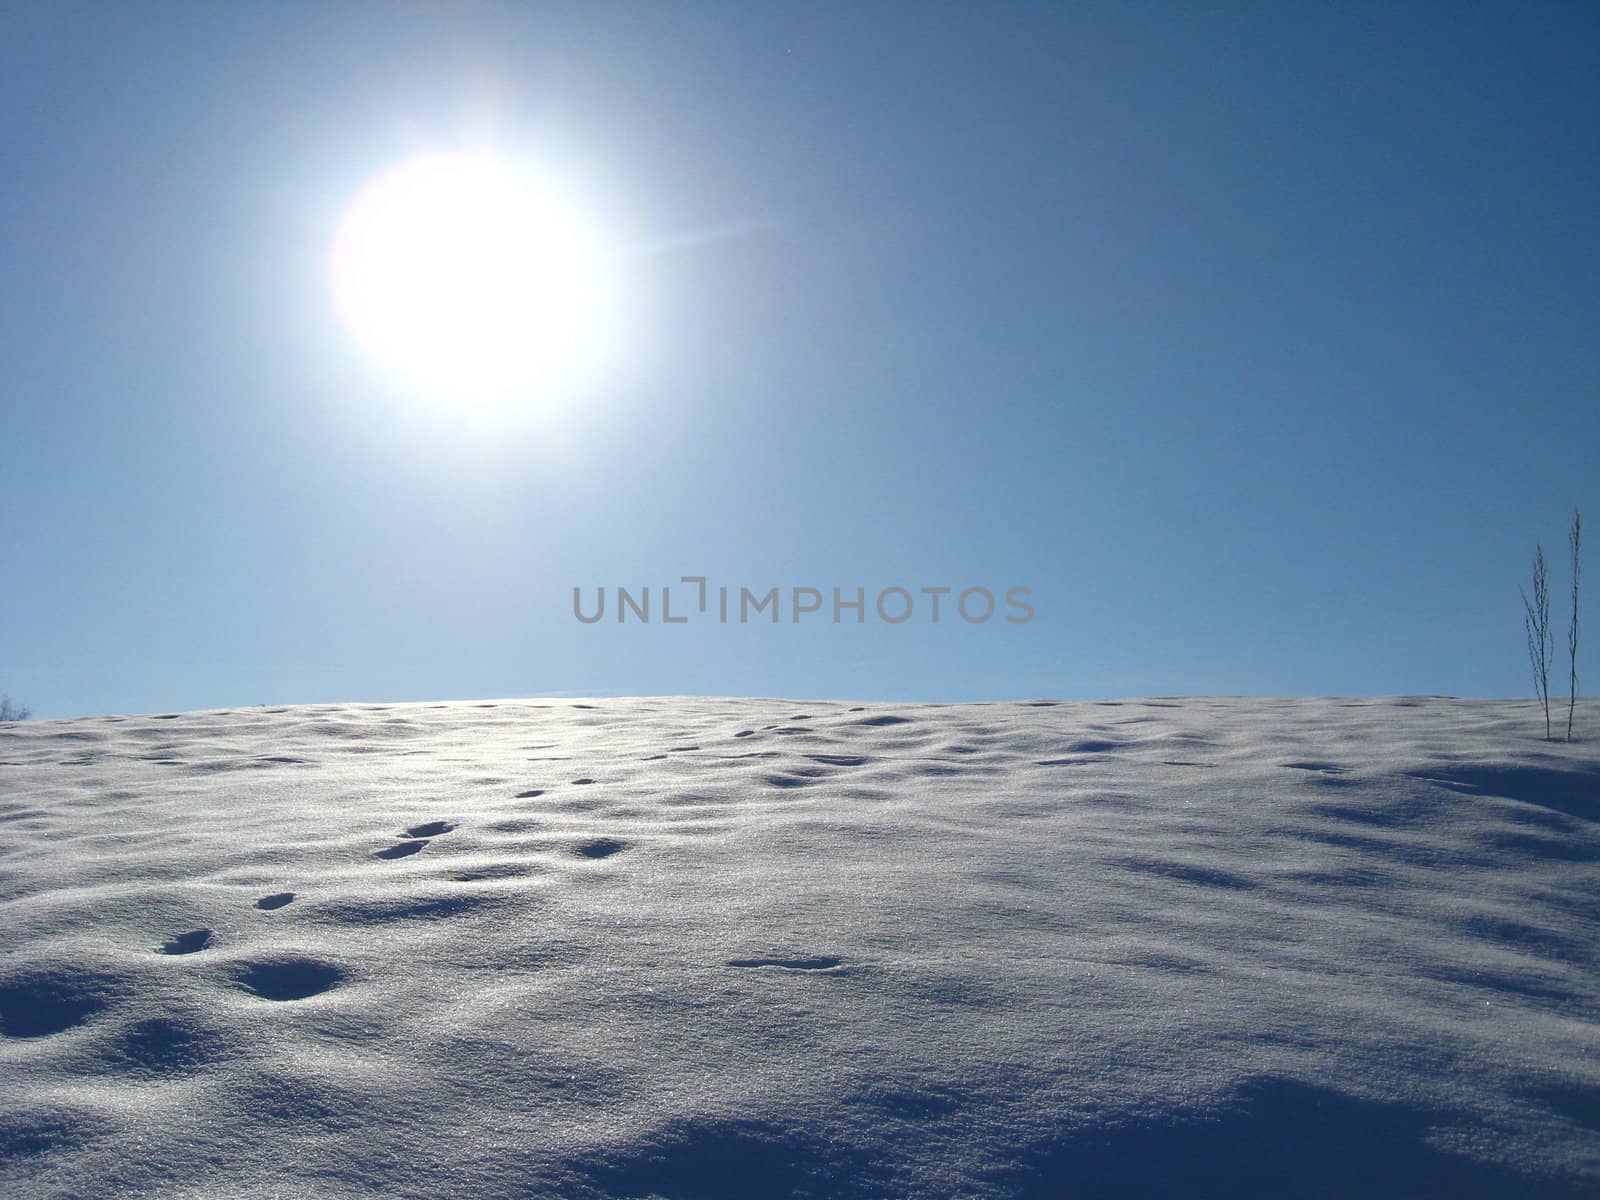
(1258, 340)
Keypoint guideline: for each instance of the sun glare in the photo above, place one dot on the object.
(466, 275)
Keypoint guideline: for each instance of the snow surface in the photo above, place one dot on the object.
(750, 948)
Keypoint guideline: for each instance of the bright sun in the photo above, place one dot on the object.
(466, 275)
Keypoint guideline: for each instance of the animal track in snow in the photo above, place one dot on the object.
(188, 943)
(530, 794)
(821, 962)
(276, 900)
(601, 848)
(400, 850)
(48, 1003)
(798, 777)
(429, 829)
(166, 1044)
(585, 779)
(288, 978)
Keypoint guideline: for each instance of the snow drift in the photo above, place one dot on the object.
(706, 948)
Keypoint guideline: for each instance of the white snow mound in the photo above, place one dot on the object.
(710, 948)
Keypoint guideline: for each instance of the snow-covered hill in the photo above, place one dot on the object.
(754, 948)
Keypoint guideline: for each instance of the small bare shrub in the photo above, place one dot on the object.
(1536, 620)
(1575, 540)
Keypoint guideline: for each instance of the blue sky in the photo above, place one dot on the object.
(1258, 341)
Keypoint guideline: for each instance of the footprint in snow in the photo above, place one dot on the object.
(276, 900)
(188, 943)
(49, 1002)
(288, 978)
(167, 1045)
(420, 834)
(821, 962)
(401, 850)
(429, 829)
(602, 848)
